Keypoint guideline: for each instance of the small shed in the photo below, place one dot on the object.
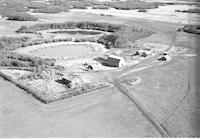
(65, 82)
(115, 61)
(164, 58)
(70, 81)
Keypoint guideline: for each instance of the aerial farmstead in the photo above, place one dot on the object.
(99, 68)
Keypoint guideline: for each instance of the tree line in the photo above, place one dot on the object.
(70, 25)
(10, 58)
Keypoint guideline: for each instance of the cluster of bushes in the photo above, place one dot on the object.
(37, 42)
(195, 29)
(20, 16)
(11, 43)
(142, 10)
(124, 38)
(92, 39)
(51, 9)
(70, 25)
(9, 58)
(189, 11)
(16, 10)
(131, 5)
(40, 72)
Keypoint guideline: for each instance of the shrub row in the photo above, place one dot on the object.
(70, 25)
(20, 16)
(51, 9)
(100, 7)
(189, 11)
(37, 42)
(133, 5)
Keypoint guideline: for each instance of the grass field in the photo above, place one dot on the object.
(107, 114)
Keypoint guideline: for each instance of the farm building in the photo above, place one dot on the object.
(70, 81)
(164, 58)
(112, 60)
(115, 61)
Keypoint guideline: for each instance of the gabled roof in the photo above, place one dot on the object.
(116, 57)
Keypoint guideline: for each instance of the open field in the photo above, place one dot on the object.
(69, 118)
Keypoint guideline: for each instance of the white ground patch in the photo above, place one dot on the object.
(95, 47)
(156, 47)
(76, 65)
(177, 50)
(190, 55)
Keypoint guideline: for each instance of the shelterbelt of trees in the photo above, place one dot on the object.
(195, 29)
(20, 16)
(189, 11)
(122, 36)
(70, 25)
(9, 58)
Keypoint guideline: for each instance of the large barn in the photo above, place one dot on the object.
(115, 61)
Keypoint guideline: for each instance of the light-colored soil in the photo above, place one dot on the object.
(62, 50)
(76, 65)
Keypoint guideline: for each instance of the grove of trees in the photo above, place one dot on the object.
(10, 58)
(124, 38)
